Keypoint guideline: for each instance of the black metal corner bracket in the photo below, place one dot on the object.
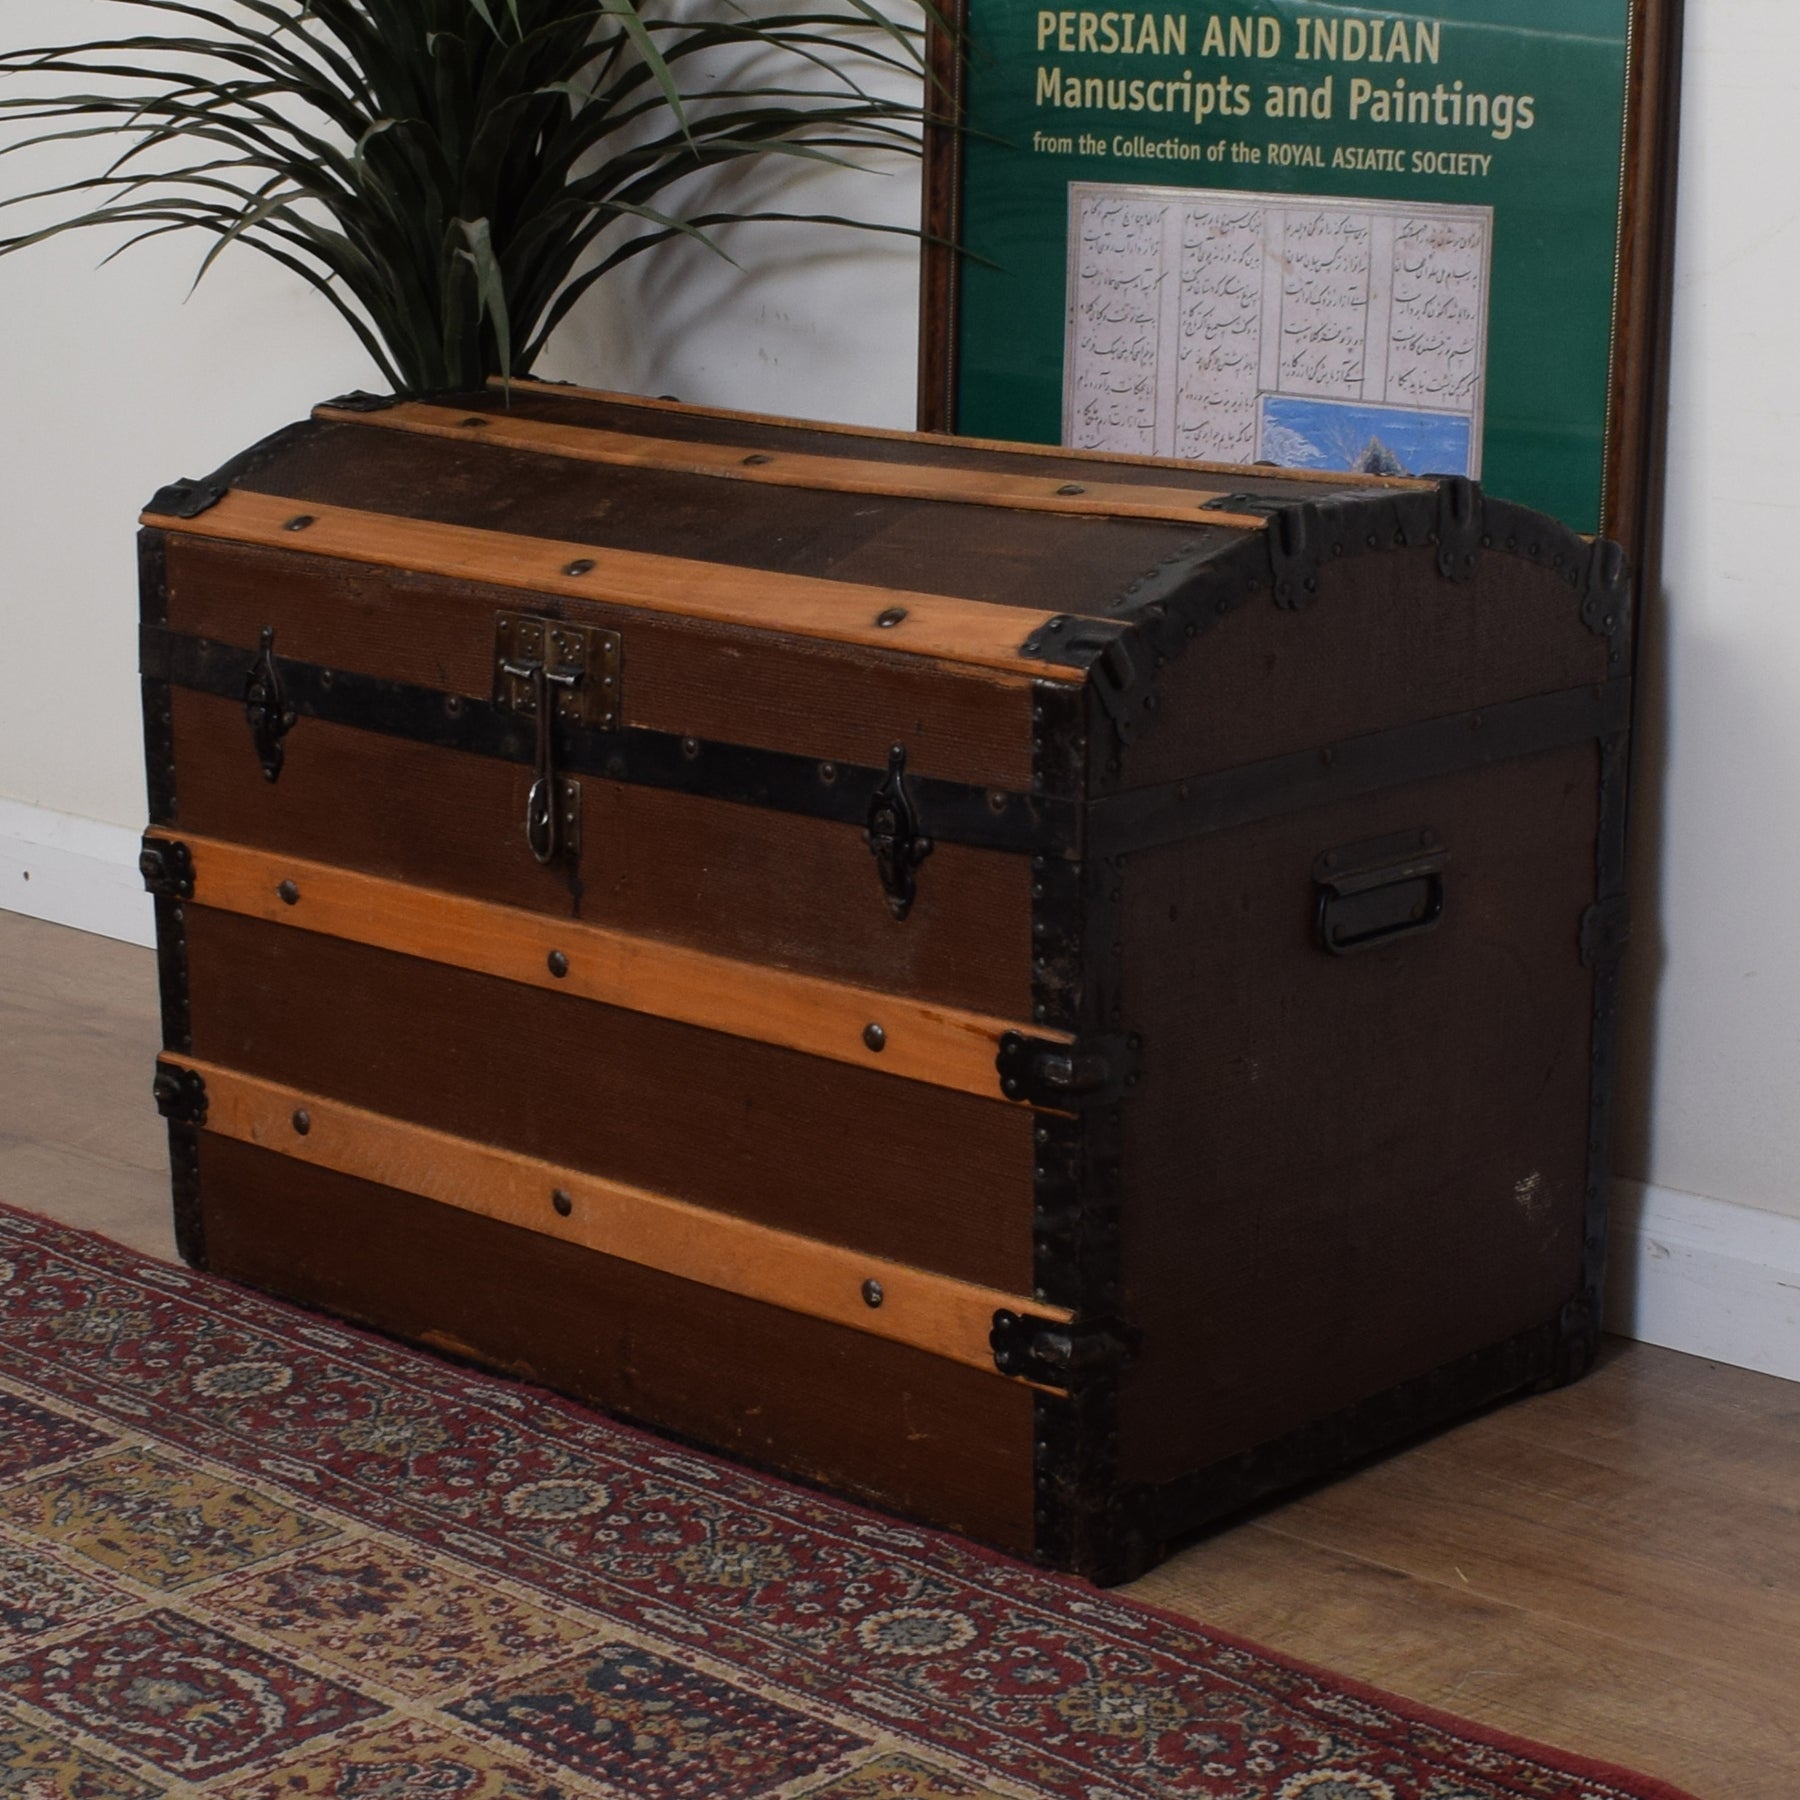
(1088, 1072)
(1070, 640)
(266, 708)
(167, 867)
(1605, 604)
(1295, 535)
(180, 1094)
(895, 840)
(1461, 527)
(186, 499)
(1055, 1354)
(1106, 650)
(1120, 668)
(359, 400)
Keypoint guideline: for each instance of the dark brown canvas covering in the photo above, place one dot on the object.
(1060, 993)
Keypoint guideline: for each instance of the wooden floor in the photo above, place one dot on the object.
(1614, 1568)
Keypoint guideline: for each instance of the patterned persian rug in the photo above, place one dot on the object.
(246, 1552)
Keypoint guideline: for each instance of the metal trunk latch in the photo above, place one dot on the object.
(555, 673)
(895, 840)
(266, 708)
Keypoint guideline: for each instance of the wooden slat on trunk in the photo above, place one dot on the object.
(917, 1307)
(923, 1436)
(1048, 493)
(888, 1033)
(971, 633)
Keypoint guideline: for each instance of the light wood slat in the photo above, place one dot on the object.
(938, 1045)
(941, 627)
(1060, 452)
(931, 1312)
(795, 469)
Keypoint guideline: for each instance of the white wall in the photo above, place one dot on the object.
(113, 384)
(1715, 990)
(113, 381)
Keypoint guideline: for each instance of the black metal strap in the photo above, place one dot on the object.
(1142, 818)
(954, 812)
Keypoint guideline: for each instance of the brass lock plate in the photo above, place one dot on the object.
(582, 665)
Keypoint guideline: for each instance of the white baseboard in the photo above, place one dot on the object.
(1706, 1276)
(73, 872)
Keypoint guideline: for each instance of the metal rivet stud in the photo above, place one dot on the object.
(580, 566)
(872, 1294)
(302, 1120)
(690, 748)
(289, 892)
(474, 419)
(563, 1201)
(299, 522)
(1071, 488)
(874, 1036)
(558, 964)
(891, 617)
(757, 461)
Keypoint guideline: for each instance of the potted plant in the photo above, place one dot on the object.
(453, 175)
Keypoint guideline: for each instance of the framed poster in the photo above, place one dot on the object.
(1419, 239)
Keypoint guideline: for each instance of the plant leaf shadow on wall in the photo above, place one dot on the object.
(453, 175)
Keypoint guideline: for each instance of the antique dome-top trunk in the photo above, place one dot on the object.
(1052, 993)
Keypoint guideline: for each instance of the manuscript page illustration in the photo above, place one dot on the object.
(1313, 333)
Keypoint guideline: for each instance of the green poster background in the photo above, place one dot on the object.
(1554, 188)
